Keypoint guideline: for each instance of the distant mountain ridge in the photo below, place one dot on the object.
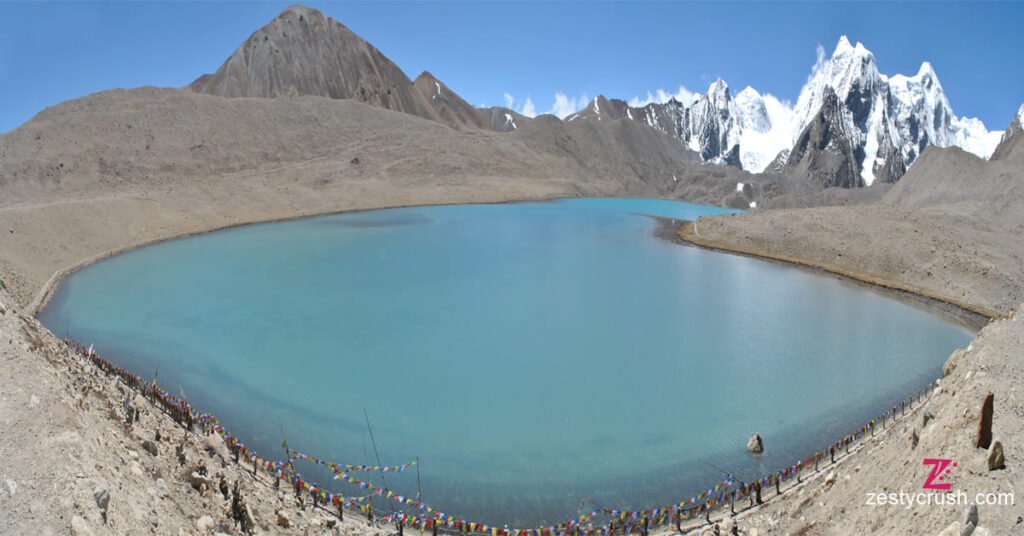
(851, 125)
(888, 121)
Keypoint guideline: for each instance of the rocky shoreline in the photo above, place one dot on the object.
(75, 462)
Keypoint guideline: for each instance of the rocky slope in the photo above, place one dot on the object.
(75, 466)
(120, 168)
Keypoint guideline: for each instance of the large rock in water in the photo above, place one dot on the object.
(755, 444)
(304, 52)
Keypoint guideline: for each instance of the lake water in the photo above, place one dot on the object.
(531, 355)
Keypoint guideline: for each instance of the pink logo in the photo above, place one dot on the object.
(939, 471)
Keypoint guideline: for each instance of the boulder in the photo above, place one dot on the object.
(953, 529)
(995, 458)
(283, 520)
(214, 443)
(985, 422)
(830, 478)
(198, 481)
(151, 447)
(755, 444)
(205, 524)
(102, 497)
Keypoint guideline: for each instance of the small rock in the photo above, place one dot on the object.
(205, 524)
(133, 455)
(136, 469)
(151, 447)
(33, 402)
(969, 520)
(927, 415)
(79, 527)
(981, 531)
(952, 530)
(914, 439)
(283, 520)
(830, 479)
(332, 523)
(198, 481)
(12, 486)
(995, 458)
(755, 444)
(102, 497)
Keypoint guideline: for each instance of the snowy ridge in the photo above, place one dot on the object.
(892, 119)
(889, 120)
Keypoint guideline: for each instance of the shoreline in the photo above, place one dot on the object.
(46, 292)
(667, 229)
(975, 317)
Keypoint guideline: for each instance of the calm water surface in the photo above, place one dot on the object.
(531, 355)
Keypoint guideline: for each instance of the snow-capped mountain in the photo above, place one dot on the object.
(715, 124)
(890, 119)
(887, 121)
(1011, 144)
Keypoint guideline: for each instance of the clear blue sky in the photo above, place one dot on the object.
(51, 52)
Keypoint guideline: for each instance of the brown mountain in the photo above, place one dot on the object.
(450, 108)
(304, 52)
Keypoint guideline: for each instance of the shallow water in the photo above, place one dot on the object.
(531, 355)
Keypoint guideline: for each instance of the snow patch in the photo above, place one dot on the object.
(753, 204)
(739, 187)
(438, 87)
(509, 120)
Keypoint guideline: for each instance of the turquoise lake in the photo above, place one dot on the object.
(531, 355)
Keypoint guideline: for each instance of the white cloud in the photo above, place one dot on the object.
(661, 96)
(528, 109)
(565, 105)
(525, 107)
(818, 63)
